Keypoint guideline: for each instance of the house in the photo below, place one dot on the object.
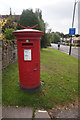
(75, 40)
(16, 17)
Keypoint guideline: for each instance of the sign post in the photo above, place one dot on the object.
(72, 31)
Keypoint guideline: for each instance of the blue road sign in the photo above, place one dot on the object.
(72, 31)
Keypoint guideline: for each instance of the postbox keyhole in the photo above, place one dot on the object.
(37, 63)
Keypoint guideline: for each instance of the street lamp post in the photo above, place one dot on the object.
(72, 25)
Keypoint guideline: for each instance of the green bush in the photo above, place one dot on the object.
(8, 33)
(28, 18)
(78, 45)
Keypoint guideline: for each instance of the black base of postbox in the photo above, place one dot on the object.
(31, 89)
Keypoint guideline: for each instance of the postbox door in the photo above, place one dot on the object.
(29, 64)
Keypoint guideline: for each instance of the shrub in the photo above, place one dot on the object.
(28, 18)
(8, 23)
(8, 33)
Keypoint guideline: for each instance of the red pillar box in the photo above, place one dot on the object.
(28, 45)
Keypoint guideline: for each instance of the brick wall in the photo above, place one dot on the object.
(0, 57)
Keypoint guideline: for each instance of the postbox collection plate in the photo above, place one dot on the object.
(27, 54)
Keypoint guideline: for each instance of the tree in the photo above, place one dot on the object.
(60, 34)
(38, 12)
(45, 39)
(10, 12)
(28, 18)
(66, 36)
(55, 38)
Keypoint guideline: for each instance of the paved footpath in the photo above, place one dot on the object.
(17, 112)
(28, 113)
(23, 112)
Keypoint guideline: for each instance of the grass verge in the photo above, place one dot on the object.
(59, 72)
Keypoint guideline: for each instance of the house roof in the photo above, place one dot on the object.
(15, 16)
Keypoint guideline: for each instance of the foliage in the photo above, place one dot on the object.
(48, 39)
(38, 13)
(8, 23)
(59, 86)
(66, 36)
(28, 18)
(8, 26)
(77, 35)
(3, 22)
(76, 44)
(8, 33)
(62, 35)
(43, 41)
(55, 38)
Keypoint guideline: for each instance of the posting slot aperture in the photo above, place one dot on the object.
(27, 43)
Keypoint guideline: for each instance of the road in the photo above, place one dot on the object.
(75, 51)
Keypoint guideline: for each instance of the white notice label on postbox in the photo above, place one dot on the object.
(27, 54)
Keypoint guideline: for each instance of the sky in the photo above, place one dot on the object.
(56, 13)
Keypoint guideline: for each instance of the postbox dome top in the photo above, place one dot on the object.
(27, 29)
(28, 32)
